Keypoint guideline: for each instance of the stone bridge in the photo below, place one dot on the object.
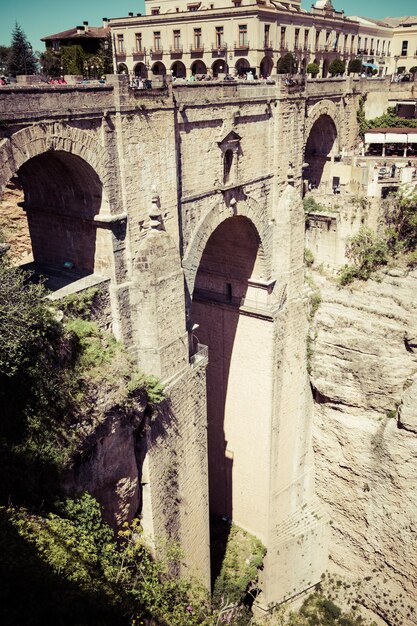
(187, 200)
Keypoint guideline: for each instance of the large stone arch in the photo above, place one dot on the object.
(324, 107)
(248, 208)
(35, 140)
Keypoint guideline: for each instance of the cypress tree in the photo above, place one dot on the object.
(21, 59)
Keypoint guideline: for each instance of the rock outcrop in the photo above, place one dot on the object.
(363, 374)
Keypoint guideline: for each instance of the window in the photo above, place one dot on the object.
(193, 7)
(55, 46)
(177, 40)
(296, 37)
(157, 40)
(365, 45)
(155, 11)
(404, 48)
(306, 38)
(372, 45)
(227, 165)
(120, 44)
(377, 46)
(383, 46)
(138, 39)
(237, 3)
(219, 36)
(360, 43)
(317, 38)
(266, 35)
(198, 40)
(282, 40)
(243, 35)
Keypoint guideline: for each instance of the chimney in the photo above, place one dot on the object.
(80, 30)
(130, 14)
(105, 22)
(85, 26)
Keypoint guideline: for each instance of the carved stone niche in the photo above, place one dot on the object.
(230, 151)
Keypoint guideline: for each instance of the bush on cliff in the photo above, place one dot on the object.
(367, 252)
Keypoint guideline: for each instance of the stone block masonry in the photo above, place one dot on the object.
(188, 200)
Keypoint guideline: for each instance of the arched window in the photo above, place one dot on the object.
(227, 166)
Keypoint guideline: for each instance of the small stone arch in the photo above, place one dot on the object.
(219, 213)
(219, 67)
(198, 67)
(266, 67)
(159, 69)
(178, 69)
(242, 66)
(140, 70)
(122, 69)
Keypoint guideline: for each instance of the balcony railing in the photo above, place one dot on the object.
(283, 45)
(120, 54)
(176, 49)
(268, 45)
(197, 48)
(138, 54)
(241, 45)
(156, 52)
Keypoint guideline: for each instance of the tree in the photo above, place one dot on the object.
(313, 69)
(21, 59)
(287, 64)
(355, 66)
(4, 53)
(51, 63)
(73, 58)
(337, 67)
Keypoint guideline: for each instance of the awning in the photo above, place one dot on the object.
(396, 138)
(374, 67)
(374, 137)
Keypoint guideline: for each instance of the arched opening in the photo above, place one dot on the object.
(238, 393)
(122, 69)
(321, 145)
(219, 67)
(266, 67)
(325, 68)
(198, 67)
(178, 69)
(141, 70)
(242, 67)
(159, 69)
(62, 196)
(227, 166)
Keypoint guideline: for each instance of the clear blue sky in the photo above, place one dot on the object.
(45, 17)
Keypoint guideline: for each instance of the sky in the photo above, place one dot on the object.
(45, 17)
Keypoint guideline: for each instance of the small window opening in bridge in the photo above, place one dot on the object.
(229, 292)
(227, 166)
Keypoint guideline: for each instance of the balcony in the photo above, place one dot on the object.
(197, 49)
(241, 45)
(372, 51)
(139, 54)
(156, 53)
(219, 50)
(283, 45)
(176, 50)
(267, 45)
(120, 54)
(200, 356)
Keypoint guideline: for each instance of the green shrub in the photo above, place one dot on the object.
(355, 66)
(313, 69)
(367, 252)
(337, 66)
(311, 206)
(79, 304)
(308, 257)
(287, 64)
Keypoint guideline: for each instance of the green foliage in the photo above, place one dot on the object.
(21, 59)
(79, 304)
(308, 257)
(287, 64)
(72, 59)
(311, 205)
(151, 385)
(355, 66)
(242, 560)
(313, 69)
(387, 120)
(400, 217)
(51, 63)
(367, 252)
(337, 66)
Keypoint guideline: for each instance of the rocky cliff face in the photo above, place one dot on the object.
(364, 379)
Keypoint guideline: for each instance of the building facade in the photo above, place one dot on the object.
(230, 36)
